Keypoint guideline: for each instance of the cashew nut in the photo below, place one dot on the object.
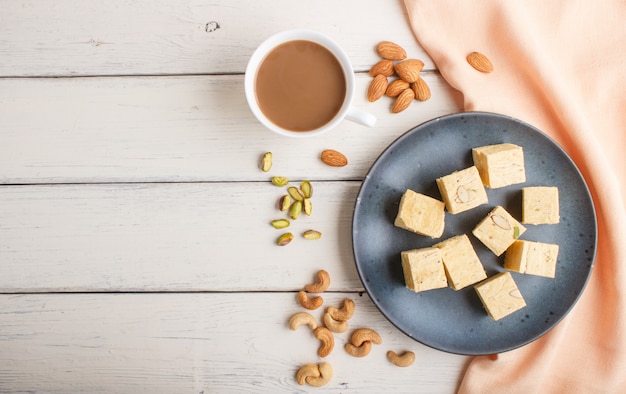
(301, 318)
(323, 281)
(365, 334)
(306, 371)
(326, 374)
(309, 303)
(335, 325)
(327, 341)
(401, 360)
(359, 351)
(362, 342)
(343, 314)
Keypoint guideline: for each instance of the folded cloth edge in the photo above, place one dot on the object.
(568, 121)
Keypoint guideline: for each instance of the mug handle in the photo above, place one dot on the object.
(359, 116)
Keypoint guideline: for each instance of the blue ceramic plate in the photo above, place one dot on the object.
(455, 321)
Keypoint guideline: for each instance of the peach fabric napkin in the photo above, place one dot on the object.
(559, 65)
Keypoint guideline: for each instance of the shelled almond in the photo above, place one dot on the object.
(390, 50)
(480, 62)
(409, 70)
(383, 67)
(421, 89)
(333, 158)
(396, 87)
(403, 101)
(410, 84)
(377, 88)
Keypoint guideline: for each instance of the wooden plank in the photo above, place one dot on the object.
(170, 237)
(42, 38)
(167, 129)
(196, 343)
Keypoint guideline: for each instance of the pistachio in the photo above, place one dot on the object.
(312, 234)
(284, 239)
(295, 210)
(284, 203)
(280, 181)
(295, 193)
(307, 189)
(308, 207)
(280, 223)
(266, 161)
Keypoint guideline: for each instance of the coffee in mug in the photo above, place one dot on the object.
(300, 86)
(300, 83)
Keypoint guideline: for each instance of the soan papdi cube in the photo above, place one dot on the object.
(500, 295)
(423, 269)
(462, 190)
(535, 258)
(500, 165)
(498, 230)
(421, 214)
(540, 205)
(462, 265)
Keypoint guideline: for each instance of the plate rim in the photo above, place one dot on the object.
(492, 115)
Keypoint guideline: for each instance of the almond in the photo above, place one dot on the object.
(421, 89)
(391, 51)
(403, 101)
(396, 87)
(501, 222)
(480, 62)
(409, 70)
(384, 67)
(377, 88)
(334, 158)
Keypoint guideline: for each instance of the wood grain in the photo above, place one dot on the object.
(61, 38)
(173, 129)
(194, 343)
(136, 253)
(170, 237)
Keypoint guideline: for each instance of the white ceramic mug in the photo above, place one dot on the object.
(346, 111)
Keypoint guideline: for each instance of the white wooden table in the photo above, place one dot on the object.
(136, 253)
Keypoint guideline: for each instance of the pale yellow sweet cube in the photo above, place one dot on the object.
(540, 205)
(462, 265)
(500, 165)
(462, 190)
(423, 269)
(498, 230)
(421, 214)
(534, 258)
(500, 295)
